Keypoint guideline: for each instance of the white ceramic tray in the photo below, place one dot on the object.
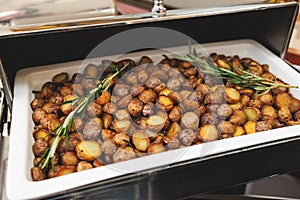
(19, 184)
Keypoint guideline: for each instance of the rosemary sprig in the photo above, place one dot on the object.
(80, 104)
(244, 79)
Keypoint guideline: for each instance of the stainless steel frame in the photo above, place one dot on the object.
(269, 24)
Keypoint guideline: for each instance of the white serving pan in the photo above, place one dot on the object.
(19, 184)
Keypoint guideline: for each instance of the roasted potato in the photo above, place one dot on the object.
(60, 170)
(121, 139)
(238, 117)
(140, 140)
(284, 114)
(187, 137)
(37, 103)
(123, 154)
(39, 147)
(239, 131)
(135, 107)
(37, 174)
(121, 125)
(190, 121)
(208, 132)
(210, 118)
(104, 98)
(69, 158)
(250, 127)
(60, 78)
(155, 148)
(147, 96)
(165, 103)
(175, 114)
(83, 165)
(156, 123)
(232, 95)
(88, 150)
(268, 112)
(173, 130)
(224, 110)
(37, 115)
(226, 127)
(283, 99)
(252, 113)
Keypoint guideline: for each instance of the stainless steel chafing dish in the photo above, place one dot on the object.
(268, 24)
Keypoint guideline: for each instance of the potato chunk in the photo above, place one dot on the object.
(88, 150)
(140, 140)
(208, 132)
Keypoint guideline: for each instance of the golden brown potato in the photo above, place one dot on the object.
(147, 96)
(245, 100)
(171, 143)
(65, 146)
(69, 158)
(266, 99)
(248, 92)
(173, 130)
(250, 127)
(140, 140)
(159, 88)
(156, 148)
(47, 90)
(223, 64)
(41, 134)
(37, 103)
(165, 103)
(40, 147)
(121, 139)
(190, 120)
(37, 174)
(252, 114)
(88, 150)
(208, 132)
(283, 99)
(213, 98)
(104, 98)
(131, 78)
(83, 165)
(226, 127)
(255, 103)
(239, 131)
(268, 75)
(121, 125)
(107, 120)
(65, 90)
(224, 110)
(190, 105)
(135, 107)
(232, 95)
(107, 134)
(97, 163)
(202, 88)
(268, 112)
(175, 114)
(110, 108)
(284, 114)
(279, 89)
(50, 122)
(61, 171)
(123, 154)
(174, 83)
(37, 115)
(295, 104)
(156, 122)
(238, 117)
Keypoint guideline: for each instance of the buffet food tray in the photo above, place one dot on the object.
(19, 183)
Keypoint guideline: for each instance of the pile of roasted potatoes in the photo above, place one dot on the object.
(150, 109)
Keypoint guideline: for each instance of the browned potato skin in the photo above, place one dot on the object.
(140, 140)
(40, 147)
(208, 132)
(94, 109)
(121, 139)
(252, 113)
(268, 112)
(63, 146)
(131, 78)
(226, 127)
(121, 125)
(165, 103)
(37, 174)
(190, 120)
(135, 107)
(37, 103)
(69, 158)
(295, 104)
(266, 99)
(42, 134)
(60, 78)
(38, 114)
(142, 76)
(238, 117)
(255, 103)
(232, 95)
(83, 165)
(175, 114)
(104, 98)
(61, 171)
(147, 96)
(91, 129)
(213, 98)
(123, 154)
(245, 100)
(296, 115)
(136, 90)
(88, 150)
(121, 90)
(156, 122)
(156, 148)
(98, 163)
(284, 114)
(173, 130)
(109, 108)
(250, 127)
(283, 99)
